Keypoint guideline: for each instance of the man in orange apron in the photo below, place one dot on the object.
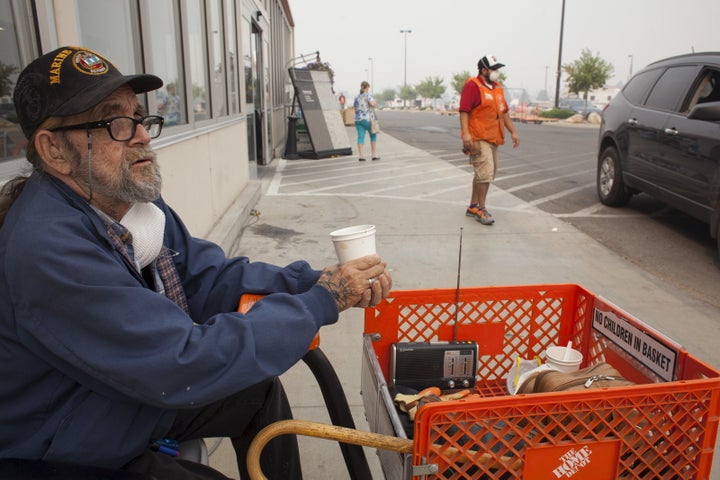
(484, 116)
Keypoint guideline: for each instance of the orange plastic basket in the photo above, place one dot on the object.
(664, 427)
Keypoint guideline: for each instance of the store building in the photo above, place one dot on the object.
(225, 99)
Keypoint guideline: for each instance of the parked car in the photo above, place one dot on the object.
(579, 105)
(661, 135)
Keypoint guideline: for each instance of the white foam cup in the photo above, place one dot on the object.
(354, 242)
(563, 359)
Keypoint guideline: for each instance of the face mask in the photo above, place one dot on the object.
(494, 75)
(146, 223)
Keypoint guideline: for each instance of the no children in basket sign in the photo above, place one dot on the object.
(641, 345)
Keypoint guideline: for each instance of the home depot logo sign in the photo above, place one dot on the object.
(580, 461)
(572, 461)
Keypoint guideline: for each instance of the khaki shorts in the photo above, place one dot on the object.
(484, 159)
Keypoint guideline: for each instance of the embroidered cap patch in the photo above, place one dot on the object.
(89, 63)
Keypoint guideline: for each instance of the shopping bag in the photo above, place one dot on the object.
(374, 126)
(374, 123)
(600, 375)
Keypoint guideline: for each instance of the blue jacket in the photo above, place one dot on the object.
(94, 363)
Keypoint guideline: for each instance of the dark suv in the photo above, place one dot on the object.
(661, 135)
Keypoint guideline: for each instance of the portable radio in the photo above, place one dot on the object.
(446, 365)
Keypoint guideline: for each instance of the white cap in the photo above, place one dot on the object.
(490, 62)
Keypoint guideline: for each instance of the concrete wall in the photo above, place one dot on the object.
(204, 174)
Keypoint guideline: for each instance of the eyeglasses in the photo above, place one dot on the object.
(121, 129)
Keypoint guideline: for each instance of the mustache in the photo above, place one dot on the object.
(140, 153)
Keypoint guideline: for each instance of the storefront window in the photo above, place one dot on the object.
(12, 140)
(164, 59)
(217, 52)
(113, 39)
(198, 60)
(232, 56)
(247, 46)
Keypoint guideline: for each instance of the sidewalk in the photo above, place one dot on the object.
(417, 203)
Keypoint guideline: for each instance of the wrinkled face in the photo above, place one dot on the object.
(114, 173)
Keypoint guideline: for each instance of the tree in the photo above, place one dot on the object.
(458, 81)
(587, 73)
(387, 95)
(407, 93)
(431, 87)
(6, 71)
(502, 78)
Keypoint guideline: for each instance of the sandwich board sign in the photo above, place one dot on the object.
(321, 113)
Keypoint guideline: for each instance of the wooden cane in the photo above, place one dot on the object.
(358, 437)
(319, 430)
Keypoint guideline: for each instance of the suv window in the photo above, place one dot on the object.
(670, 89)
(638, 86)
(708, 89)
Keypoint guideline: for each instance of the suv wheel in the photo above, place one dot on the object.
(610, 187)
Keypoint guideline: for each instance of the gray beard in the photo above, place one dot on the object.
(124, 188)
(131, 191)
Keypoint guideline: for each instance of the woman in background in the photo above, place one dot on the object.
(364, 113)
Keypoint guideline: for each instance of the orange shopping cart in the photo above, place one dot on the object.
(662, 427)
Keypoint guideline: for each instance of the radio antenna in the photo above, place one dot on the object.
(457, 291)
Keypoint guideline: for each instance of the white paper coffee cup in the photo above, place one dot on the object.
(563, 359)
(353, 242)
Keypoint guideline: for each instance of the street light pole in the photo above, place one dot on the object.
(372, 75)
(559, 65)
(405, 32)
(631, 65)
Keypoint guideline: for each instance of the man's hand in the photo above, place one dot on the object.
(511, 128)
(467, 139)
(362, 282)
(468, 144)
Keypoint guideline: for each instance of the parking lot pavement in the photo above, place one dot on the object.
(417, 203)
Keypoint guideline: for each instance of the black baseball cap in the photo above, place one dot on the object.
(490, 62)
(67, 81)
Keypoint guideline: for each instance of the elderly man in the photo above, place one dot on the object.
(117, 328)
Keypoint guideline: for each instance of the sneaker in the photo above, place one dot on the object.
(484, 217)
(472, 211)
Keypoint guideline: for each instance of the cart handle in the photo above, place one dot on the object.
(319, 430)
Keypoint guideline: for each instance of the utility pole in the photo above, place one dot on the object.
(559, 65)
(405, 32)
(372, 75)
